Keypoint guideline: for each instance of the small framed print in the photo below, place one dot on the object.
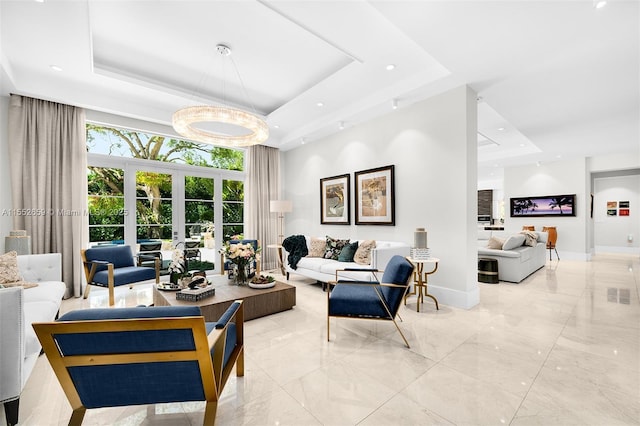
(612, 204)
(334, 200)
(375, 198)
(623, 212)
(623, 205)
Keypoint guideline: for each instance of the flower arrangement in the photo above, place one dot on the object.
(178, 266)
(241, 255)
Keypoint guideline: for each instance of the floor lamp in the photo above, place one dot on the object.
(281, 207)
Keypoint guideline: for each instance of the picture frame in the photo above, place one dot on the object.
(548, 205)
(334, 200)
(375, 196)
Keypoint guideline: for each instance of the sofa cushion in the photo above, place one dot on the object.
(9, 272)
(334, 247)
(41, 311)
(495, 243)
(24, 284)
(317, 247)
(348, 251)
(362, 256)
(530, 238)
(315, 263)
(513, 241)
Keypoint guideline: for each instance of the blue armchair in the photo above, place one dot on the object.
(371, 299)
(145, 355)
(114, 266)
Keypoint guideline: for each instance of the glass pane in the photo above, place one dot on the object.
(231, 231)
(198, 211)
(153, 185)
(106, 210)
(154, 206)
(153, 232)
(232, 190)
(106, 234)
(232, 213)
(158, 212)
(198, 188)
(105, 181)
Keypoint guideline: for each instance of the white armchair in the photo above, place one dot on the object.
(19, 308)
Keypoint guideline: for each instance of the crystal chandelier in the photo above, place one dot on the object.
(185, 118)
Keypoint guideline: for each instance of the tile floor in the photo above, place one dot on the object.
(560, 348)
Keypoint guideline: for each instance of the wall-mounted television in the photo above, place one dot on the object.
(548, 205)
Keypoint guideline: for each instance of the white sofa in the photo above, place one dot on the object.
(324, 270)
(514, 265)
(19, 308)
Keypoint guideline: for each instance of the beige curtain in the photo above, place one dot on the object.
(48, 156)
(262, 186)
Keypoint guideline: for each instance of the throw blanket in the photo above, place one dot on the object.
(296, 246)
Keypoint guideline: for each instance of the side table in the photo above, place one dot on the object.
(420, 283)
(280, 261)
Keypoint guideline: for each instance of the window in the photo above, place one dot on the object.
(150, 187)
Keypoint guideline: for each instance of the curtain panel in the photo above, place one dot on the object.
(48, 156)
(263, 184)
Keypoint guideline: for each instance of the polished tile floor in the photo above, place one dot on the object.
(560, 348)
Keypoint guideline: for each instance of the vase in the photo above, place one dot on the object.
(174, 278)
(240, 274)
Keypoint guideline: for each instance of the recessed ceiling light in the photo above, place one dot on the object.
(55, 68)
(559, 156)
(391, 67)
(394, 103)
(275, 126)
(599, 4)
(341, 125)
(522, 144)
(303, 141)
(501, 128)
(320, 104)
(39, 1)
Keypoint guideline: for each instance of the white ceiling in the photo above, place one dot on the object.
(561, 78)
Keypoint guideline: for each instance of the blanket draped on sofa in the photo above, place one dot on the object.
(296, 246)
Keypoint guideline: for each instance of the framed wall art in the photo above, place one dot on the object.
(549, 205)
(375, 198)
(334, 200)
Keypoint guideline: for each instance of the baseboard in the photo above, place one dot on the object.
(613, 249)
(455, 298)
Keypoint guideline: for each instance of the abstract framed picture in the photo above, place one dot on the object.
(334, 200)
(612, 204)
(623, 212)
(548, 205)
(623, 204)
(375, 198)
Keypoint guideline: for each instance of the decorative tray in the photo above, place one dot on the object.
(168, 287)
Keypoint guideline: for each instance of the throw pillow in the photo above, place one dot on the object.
(363, 254)
(20, 284)
(513, 241)
(530, 238)
(318, 247)
(334, 248)
(495, 243)
(9, 272)
(347, 253)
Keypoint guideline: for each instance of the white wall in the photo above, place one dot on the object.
(559, 178)
(433, 147)
(612, 232)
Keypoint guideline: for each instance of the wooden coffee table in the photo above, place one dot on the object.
(257, 302)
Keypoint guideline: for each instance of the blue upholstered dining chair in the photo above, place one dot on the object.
(377, 300)
(145, 355)
(114, 266)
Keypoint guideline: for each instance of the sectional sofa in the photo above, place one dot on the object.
(19, 308)
(515, 261)
(324, 270)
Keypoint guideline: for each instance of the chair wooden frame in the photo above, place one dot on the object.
(376, 285)
(91, 267)
(214, 376)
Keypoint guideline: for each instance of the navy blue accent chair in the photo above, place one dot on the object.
(144, 355)
(227, 264)
(114, 266)
(377, 300)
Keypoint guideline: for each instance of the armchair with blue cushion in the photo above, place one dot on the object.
(144, 355)
(227, 265)
(114, 266)
(377, 300)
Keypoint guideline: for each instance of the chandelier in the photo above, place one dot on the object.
(185, 118)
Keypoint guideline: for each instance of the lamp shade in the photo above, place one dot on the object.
(280, 206)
